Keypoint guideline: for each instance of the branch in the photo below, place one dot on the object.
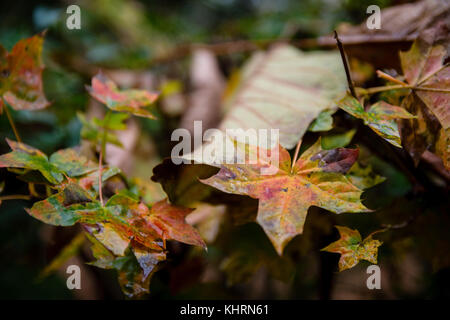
(344, 60)
(11, 122)
(102, 156)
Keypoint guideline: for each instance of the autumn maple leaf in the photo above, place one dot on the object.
(21, 75)
(353, 249)
(316, 179)
(133, 101)
(121, 220)
(429, 99)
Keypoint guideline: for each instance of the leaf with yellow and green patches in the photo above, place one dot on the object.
(24, 156)
(380, 117)
(67, 162)
(364, 177)
(120, 220)
(135, 267)
(353, 249)
(21, 74)
(72, 162)
(134, 101)
(316, 179)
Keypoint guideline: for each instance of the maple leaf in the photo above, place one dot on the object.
(364, 177)
(24, 156)
(72, 163)
(353, 249)
(21, 75)
(424, 68)
(284, 197)
(133, 101)
(120, 220)
(134, 268)
(380, 117)
(66, 161)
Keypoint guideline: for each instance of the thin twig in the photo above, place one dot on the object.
(399, 87)
(11, 122)
(345, 62)
(399, 225)
(102, 156)
(100, 167)
(15, 197)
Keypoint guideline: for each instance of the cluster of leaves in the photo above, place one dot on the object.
(129, 234)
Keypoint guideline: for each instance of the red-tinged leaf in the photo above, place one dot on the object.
(135, 267)
(133, 101)
(380, 117)
(24, 156)
(353, 249)
(114, 225)
(169, 222)
(285, 196)
(21, 74)
(423, 67)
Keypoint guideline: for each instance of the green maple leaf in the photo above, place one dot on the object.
(66, 161)
(380, 117)
(24, 156)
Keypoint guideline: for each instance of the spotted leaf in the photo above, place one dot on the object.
(353, 249)
(380, 117)
(21, 74)
(285, 196)
(133, 101)
(24, 156)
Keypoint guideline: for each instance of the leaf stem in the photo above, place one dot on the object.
(387, 77)
(399, 87)
(294, 159)
(383, 88)
(100, 166)
(11, 122)
(344, 61)
(102, 156)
